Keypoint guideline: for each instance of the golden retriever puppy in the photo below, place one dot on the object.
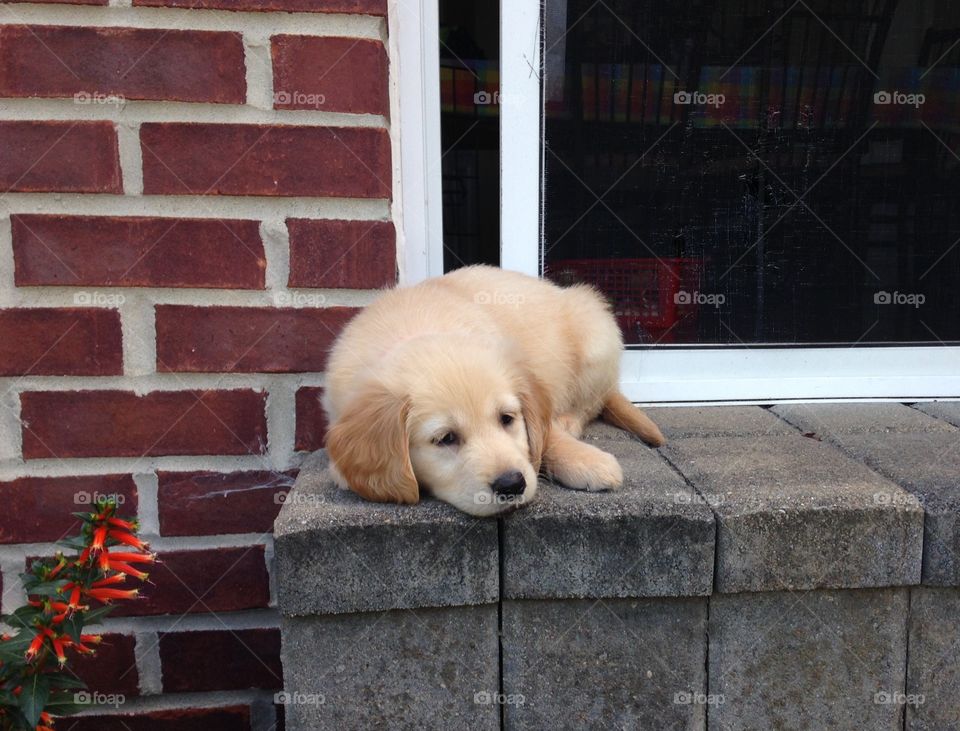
(468, 385)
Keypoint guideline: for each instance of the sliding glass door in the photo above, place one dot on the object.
(766, 192)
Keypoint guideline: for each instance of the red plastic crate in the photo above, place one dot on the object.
(647, 295)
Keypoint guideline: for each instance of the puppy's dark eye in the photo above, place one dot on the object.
(506, 419)
(448, 440)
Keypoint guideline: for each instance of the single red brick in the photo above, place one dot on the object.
(233, 718)
(71, 157)
(244, 502)
(41, 508)
(113, 669)
(246, 339)
(311, 419)
(251, 159)
(195, 582)
(134, 63)
(61, 342)
(137, 252)
(330, 74)
(342, 254)
(221, 660)
(61, 424)
(365, 7)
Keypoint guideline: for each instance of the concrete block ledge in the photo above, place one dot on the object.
(788, 568)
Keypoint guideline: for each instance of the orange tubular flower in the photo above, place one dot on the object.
(58, 649)
(107, 595)
(133, 557)
(61, 562)
(109, 581)
(129, 570)
(34, 647)
(99, 536)
(127, 539)
(125, 524)
(74, 598)
(103, 562)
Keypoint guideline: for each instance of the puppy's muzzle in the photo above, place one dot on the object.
(509, 483)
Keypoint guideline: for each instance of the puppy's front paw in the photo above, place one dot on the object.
(334, 474)
(595, 472)
(603, 473)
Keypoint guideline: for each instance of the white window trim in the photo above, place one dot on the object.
(520, 148)
(414, 49)
(689, 374)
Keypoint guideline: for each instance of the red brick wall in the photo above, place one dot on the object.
(196, 196)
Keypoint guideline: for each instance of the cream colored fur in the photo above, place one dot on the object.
(514, 367)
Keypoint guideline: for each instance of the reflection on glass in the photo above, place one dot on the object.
(736, 172)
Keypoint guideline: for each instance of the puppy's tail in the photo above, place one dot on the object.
(618, 411)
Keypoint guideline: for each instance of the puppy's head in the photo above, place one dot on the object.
(459, 417)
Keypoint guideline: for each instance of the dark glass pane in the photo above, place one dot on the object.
(743, 172)
(470, 132)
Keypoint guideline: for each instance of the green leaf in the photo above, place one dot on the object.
(34, 697)
(64, 704)
(7, 698)
(14, 649)
(62, 680)
(95, 615)
(23, 617)
(73, 626)
(76, 542)
(48, 588)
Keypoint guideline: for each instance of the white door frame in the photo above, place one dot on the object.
(414, 48)
(670, 374)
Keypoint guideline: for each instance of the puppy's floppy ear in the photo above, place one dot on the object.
(370, 446)
(537, 410)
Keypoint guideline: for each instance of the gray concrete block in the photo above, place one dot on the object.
(818, 660)
(414, 669)
(826, 420)
(620, 663)
(933, 671)
(336, 552)
(948, 411)
(928, 466)
(795, 513)
(653, 537)
(717, 421)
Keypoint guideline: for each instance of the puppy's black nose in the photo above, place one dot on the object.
(509, 483)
